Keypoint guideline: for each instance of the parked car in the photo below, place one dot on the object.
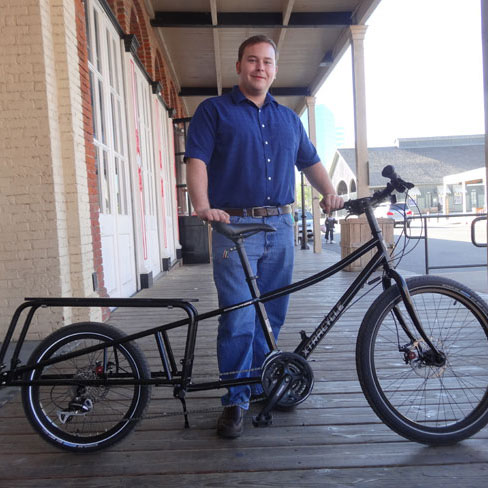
(397, 211)
(309, 217)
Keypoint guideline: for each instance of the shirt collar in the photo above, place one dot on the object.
(239, 97)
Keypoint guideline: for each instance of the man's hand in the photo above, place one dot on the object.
(213, 215)
(320, 180)
(331, 202)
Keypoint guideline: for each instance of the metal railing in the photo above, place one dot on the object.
(425, 236)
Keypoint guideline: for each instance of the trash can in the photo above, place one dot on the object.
(194, 240)
(356, 232)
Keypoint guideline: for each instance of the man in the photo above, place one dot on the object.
(241, 150)
(330, 223)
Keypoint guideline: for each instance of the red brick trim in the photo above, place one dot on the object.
(90, 148)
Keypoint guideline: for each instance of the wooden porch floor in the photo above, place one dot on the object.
(333, 439)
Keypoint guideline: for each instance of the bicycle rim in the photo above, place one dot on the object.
(84, 417)
(427, 403)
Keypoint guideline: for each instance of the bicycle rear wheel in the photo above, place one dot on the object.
(82, 417)
(424, 402)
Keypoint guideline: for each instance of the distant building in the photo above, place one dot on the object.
(465, 192)
(326, 134)
(448, 172)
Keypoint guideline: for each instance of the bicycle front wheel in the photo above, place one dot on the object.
(424, 401)
(80, 416)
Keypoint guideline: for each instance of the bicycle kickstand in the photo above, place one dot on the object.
(180, 394)
(185, 413)
(264, 417)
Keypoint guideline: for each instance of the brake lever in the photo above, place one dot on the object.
(401, 185)
(407, 185)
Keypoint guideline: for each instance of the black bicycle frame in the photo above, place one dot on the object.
(182, 379)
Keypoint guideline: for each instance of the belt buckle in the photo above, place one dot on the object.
(252, 212)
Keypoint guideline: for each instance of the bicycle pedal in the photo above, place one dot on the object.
(262, 420)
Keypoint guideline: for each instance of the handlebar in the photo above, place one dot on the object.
(358, 207)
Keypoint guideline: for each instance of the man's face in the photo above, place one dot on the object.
(257, 69)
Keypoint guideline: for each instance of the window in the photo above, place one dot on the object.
(104, 63)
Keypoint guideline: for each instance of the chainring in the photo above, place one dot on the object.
(288, 363)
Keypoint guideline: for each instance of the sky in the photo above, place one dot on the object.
(423, 67)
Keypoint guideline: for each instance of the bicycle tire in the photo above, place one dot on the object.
(86, 418)
(435, 405)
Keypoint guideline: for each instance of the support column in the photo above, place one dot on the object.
(359, 87)
(312, 133)
(355, 232)
(484, 43)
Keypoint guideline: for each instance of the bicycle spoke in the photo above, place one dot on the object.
(83, 415)
(415, 394)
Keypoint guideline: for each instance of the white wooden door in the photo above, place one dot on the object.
(147, 177)
(110, 140)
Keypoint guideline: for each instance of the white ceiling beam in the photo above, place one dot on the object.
(286, 18)
(364, 11)
(216, 42)
(170, 65)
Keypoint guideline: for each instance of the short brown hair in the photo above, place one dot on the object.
(256, 40)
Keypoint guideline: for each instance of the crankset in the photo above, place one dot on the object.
(287, 380)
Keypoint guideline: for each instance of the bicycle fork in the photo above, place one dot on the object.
(433, 357)
(436, 357)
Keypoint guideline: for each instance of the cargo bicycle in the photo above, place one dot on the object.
(421, 353)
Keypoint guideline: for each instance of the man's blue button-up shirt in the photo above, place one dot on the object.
(250, 152)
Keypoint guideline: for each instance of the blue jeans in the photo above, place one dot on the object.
(240, 341)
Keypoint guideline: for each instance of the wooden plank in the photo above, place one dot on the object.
(333, 439)
(231, 457)
(432, 476)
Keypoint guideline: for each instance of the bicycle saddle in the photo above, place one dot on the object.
(234, 231)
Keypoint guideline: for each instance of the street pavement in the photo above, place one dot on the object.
(449, 244)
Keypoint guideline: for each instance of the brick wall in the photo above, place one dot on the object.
(87, 132)
(49, 226)
(29, 263)
(45, 242)
(150, 47)
(71, 115)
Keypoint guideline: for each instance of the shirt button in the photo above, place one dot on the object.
(266, 142)
(269, 178)
(269, 160)
(269, 198)
(262, 125)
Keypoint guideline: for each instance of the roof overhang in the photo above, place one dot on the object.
(201, 39)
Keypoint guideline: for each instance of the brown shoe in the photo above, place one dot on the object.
(231, 422)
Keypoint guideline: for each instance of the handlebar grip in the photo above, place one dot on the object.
(396, 181)
(389, 172)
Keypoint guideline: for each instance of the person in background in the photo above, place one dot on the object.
(330, 223)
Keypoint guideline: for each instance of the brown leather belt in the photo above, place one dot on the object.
(258, 211)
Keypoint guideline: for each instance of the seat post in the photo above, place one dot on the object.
(251, 280)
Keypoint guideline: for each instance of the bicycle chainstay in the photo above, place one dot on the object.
(174, 413)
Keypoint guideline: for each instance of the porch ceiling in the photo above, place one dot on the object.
(201, 38)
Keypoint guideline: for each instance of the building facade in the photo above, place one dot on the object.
(88, 197)
(447, 171)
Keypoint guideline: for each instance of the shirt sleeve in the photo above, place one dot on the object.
(307, 154)
(200, 141)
